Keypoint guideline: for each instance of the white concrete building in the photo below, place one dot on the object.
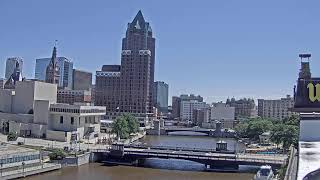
(187, 107)
(74, 120)
(223, 113)
(31, 110)
(275, 109)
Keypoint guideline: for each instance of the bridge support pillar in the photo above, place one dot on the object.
(140, 162)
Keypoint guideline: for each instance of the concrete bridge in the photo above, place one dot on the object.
(181, 129)
(214, 159)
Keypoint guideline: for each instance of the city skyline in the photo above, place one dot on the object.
(191, 44)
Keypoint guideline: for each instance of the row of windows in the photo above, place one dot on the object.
(77, 110)
(90, 119)
(15, 159)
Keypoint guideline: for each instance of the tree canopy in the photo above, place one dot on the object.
(125, 125)
(285, 132)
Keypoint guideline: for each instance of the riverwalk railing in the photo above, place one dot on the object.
(292, 168)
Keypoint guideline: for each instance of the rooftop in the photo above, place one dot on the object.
(8, 149)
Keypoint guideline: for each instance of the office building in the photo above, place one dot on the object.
(176, 102)
(161, 96)
(187, 107)
(81, 80)
(275, 109)
(244, 108)
(107, 87)
(134, 90)
(68, 96)
(200, 116)
(65, 67)
(11, 64)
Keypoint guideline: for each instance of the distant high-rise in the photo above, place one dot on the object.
(66, 69)
(176, 102)
(11, 65)
(187, 108)
(244, 108)
(275, 109)
(53, 69)
(129, 87)
(161, 96)
(82, 80)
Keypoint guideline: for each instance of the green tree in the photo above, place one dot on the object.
(57, 154)
(133, 123)
(277, 133)
(290, 136)
(292, 120)
(120, 127)
(258, 126)
(241, 130)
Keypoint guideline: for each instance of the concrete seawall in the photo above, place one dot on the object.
(30, 171)
(75, 161)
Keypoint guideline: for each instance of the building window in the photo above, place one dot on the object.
(72, 120)
(61, 119)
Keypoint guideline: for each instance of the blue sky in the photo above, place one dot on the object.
(215, 48)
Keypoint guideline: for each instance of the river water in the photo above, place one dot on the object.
(155, 169)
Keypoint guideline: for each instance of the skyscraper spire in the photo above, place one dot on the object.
(138, 17)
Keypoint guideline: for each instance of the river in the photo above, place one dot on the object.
(155, 168)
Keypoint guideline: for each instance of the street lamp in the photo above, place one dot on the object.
(1, 167)
(23, 163)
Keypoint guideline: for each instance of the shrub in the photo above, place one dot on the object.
(57, 154)
(12, 136)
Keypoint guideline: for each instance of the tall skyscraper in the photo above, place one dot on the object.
(11, 65)
(160, 95)
(66, 69)
(137, 67)
(135, 75)
(53, 69)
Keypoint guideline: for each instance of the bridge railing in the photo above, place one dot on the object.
(222, 157)
(177, 148)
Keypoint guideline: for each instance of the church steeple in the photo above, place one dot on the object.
(53, 70)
